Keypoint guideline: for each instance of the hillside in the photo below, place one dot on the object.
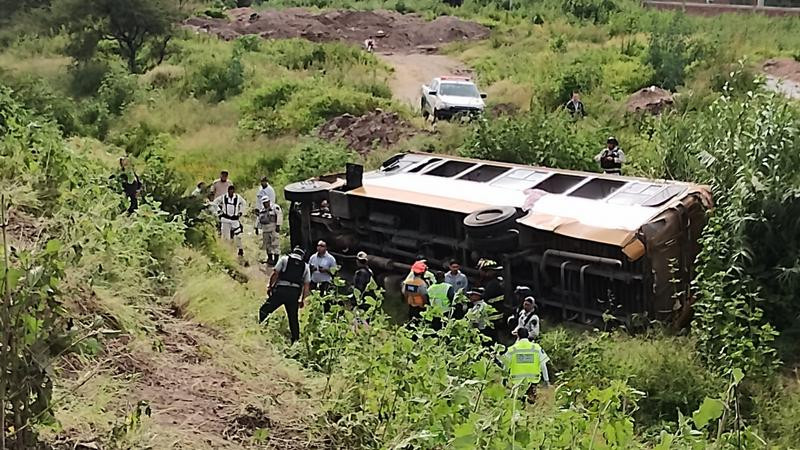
(139, 331)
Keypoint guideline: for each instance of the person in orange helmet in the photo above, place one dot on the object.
(415, 290)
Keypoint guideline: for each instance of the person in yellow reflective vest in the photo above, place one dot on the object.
(527, 363)
(440, 295)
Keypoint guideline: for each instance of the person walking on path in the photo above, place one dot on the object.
(231, 207)
(220, 186)
(270, 218)
(526, 363)
(288, 287)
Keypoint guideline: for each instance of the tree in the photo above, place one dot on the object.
(134, 25)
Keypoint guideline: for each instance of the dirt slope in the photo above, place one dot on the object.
(414, 69)
(783, 76)
(394, 31)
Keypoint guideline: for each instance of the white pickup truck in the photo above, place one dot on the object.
(445, 97)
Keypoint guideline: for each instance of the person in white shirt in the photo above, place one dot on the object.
(230, 208)
(266, 191)
(321, 263)
(455, 278)
(526, 318)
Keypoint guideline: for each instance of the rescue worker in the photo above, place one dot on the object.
(575, 106)
(441, 294)
(526, 318)
(369, 44)
(130, 182)
(270, 218)
(322, 263)
(220, 186)
(231, 207)
(363, 276)
(455, 278)
(415, 290)
(612, 157)
(289, 287)
(266, 191)
(527, 363)
(429, 277)
(476, 313)
(493, 288)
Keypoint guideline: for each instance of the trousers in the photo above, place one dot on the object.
(289, 298)
(232, 230)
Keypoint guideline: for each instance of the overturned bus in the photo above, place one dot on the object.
(589, 245)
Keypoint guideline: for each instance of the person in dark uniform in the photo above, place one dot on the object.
(575, 106)
(289, 285)
(611, 158)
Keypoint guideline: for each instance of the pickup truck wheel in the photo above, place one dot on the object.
(307, 191)
(485, 222)
(505, 241)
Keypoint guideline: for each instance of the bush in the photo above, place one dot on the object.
(626, 76)
(117, 90)
(314, 158)
(537, 138)
(36, 95)
(598, 11)
(87, 77)
(667, 54)
(218, 80)
(163, 76)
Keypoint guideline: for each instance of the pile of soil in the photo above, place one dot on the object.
(783, 68)
(652, 99)
(392, 30)
(364, 133)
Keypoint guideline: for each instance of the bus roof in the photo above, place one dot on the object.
(592, 206)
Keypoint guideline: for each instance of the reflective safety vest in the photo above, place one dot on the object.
(413, 292)
(524, 361)
(437, 295)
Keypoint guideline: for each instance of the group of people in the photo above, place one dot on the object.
(230, 208)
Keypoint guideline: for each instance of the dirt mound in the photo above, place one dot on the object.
(364, 133)
(652, 100)
(393, 31)
(784, 68)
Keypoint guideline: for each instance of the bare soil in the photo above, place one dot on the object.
(783, 76)
(364, 133)
(652, 99)
(393, 31)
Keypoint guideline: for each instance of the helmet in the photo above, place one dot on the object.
(298, 251)
(361, 256)
(612, 140)
(488, 264)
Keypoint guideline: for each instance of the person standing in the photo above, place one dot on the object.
(131, 184)
(493, 288)
(415, 290)
(526, 318)
(455, 278)
(288, 287)
(322, 263)
(220, 186)
(231, 207)
(441, 293)
(575, 106)
(363, 276)
(266, 191)
(611, 158)
(429, 277)
(270, 218)
(526, 363)
(199, 189)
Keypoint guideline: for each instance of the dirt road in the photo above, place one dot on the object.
(413, 70)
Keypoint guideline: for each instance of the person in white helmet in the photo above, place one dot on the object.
(230, 208)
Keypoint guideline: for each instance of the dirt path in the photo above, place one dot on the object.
(414, 69)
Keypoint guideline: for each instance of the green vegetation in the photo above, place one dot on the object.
(87, 290)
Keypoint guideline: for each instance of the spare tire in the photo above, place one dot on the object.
(307, 191)
(484, 222)
(506, 241)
